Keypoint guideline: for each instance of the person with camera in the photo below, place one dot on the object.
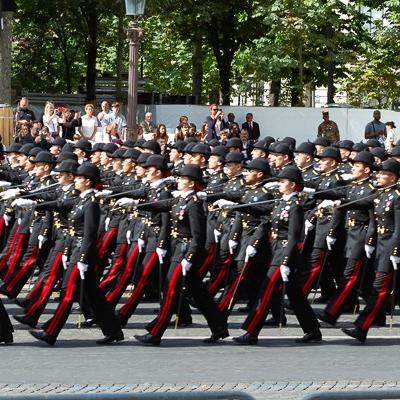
(215, 122)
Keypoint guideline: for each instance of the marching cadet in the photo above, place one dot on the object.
(82, 148)
(6, 329)
(360, 231)
(83, 225)
(176, 156)
(345, 147)
(286, 223)
(189, 234)
(386, 206)
(280, 156)
(320, 219)
(245, 274)
(36, 300)
(260, 148)
(24, 262)
(153, 240)
(304, 159)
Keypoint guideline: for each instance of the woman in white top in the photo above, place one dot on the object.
(89, 123)
(391, 137)
(50, 119)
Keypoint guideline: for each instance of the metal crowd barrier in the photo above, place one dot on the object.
(231, 395)
(355, 394)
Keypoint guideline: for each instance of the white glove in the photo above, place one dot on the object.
(330, 241)
(201, 195)
(308, 226)
(126, 201)
(128, 236)
(271, 185)
(42, 240)
(169, 180)
(19, 220)
(176, 193)
(224, 203)
(141, 244)
(106, 223)
(395, 260)
(4, 184)
(82, 269)
(186, 265)
(326, 204)
(369, 250)
(217, 235)
(64, 260)
(161, 254)
(103, 193)
(7, 219)
(251, 251)
(232, 246)
(308, 190)
(23, 203)
(347, 177)
(285, 272)
(10, 194)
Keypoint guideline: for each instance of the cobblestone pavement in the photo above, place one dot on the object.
(275, 369)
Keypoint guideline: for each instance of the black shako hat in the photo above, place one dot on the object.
(261, 164)
(357, 147)
(220, 151)
(26, 148)
(201, 148)
(262, 145)
(373, 143)
(83, 145)
(193, 172)
(346, 144)
(179, 145)
(109, 148)
(365, 157)
(119, 153)
(234, 158)
(331, 152)
(396, 151)
(282, 148)
(151, 145)
(391, 165)
(234, 142)
(292, 173)
(143, 158)
(132, 153)
(44, 157)
(70, 166)
(379, 152)
(322, 141)
(156, 160)
(66, 155)
(306, 147)
(35, 151)
(14, 148)
(89, 171)
(58, 142)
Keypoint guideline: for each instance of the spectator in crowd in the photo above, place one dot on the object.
(161, 133)
(24, 134)
(147, 125)
(112, 131)
(215, 122)
(70, 120)
(182, 132)
(192, 129)
(50, 119)
(252, 127)
(183, 119)
(376, 129)
(203, 133)
(328, 129)
(43, 138)
(224, 136)
(231, 121)
(35, 127)
(117, 117)
(391, 137)
(23, 114)
(104, 116)
(235, 131)
(89, 123)
(247, 144)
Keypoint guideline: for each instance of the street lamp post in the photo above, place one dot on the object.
(135, 34)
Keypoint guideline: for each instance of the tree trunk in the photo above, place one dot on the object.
(91, 48)
(5, 57)
(197, 65)
(274, 93)
(225, 71)
(120, 52)
(294, 88)
(330, 80)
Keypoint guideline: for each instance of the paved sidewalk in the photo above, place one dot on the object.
(275, 369)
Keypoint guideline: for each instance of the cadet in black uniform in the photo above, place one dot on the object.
(83, 227)
(189, 234)
(6, 329)
(286, 227)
